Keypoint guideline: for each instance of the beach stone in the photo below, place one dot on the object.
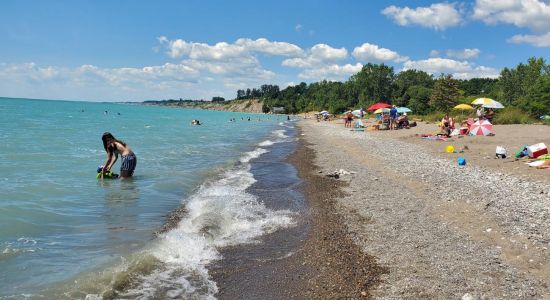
(467, 296)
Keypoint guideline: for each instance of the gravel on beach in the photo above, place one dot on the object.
(441, 231)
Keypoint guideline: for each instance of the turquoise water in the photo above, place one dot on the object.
(63, 233)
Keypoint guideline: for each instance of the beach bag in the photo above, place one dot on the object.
(521, 153)
(412, 124)
(501, 152)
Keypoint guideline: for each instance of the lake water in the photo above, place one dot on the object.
(66, 234)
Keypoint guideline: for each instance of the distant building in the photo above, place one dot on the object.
(278, 110)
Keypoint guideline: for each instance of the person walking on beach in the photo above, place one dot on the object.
(349, 119)
(393, 117)
(114, 147)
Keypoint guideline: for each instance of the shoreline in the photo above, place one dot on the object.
(325, 263)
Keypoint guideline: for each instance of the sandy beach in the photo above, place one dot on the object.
(440, 230)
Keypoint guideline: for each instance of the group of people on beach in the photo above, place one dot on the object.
(447, 124)
(391, 121)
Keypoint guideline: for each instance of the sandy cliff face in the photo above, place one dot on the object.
(250, 106)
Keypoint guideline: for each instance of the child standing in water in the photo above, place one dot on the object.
(114, 147)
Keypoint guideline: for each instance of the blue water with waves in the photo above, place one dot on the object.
(61, 227)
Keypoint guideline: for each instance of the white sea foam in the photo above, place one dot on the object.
(252, 154)
(221, 213)
(280, 133)
(266, 143)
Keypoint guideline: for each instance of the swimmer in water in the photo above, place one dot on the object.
(114, 147)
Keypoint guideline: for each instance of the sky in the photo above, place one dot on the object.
(198, 49)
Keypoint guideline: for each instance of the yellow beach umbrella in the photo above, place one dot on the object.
(381, 111)
(463, 107)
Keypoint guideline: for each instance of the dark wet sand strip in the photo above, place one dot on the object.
(317, 259)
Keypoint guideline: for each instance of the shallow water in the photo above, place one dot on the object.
(63, 233)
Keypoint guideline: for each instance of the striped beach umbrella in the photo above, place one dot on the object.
(487, 103)
(482, 127)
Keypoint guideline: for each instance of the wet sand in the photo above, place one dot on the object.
(317, 259)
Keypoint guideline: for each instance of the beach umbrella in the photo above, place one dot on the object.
(401, 110)
(378, 105)
(324, 112)
(482, 127)
(381, 111)
(356, 112)
(487, 103)
(463, 107)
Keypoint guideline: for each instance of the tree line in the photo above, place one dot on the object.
(526, 87)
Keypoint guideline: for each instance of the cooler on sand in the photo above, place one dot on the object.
(537, 150)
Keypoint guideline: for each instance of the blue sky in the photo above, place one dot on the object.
(139, 50)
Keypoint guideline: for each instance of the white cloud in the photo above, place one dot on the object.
(535, 40)
(332, 72)
(464, 54)
(263, 45)
(325, 52)
(372, 53)
(191, 78)
(223, 51)
(298, 27)
(459, 69)
(318, 56)
(438, 16)
(319, 63)
(532, 14)
(434, 53)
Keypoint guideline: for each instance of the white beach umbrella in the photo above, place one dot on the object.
(487, 103)
(356, 112)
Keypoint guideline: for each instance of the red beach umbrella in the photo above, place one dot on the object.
(482, 127)
(379, 105)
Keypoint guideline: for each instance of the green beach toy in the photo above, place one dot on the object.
(108, 175)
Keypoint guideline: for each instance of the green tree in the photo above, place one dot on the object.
(373, 83)
(515, 83)
(240, 94)
(406, 79)
(445, 93)
(479, 87)
(419, 98)
(537, 101)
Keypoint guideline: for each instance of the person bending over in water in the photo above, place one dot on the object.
(114, 147)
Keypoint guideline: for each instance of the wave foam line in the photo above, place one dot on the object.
(221, 213)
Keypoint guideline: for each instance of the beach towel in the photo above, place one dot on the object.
(536, 163)
(435, 138)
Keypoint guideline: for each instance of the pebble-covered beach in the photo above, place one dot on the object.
(441, 231)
